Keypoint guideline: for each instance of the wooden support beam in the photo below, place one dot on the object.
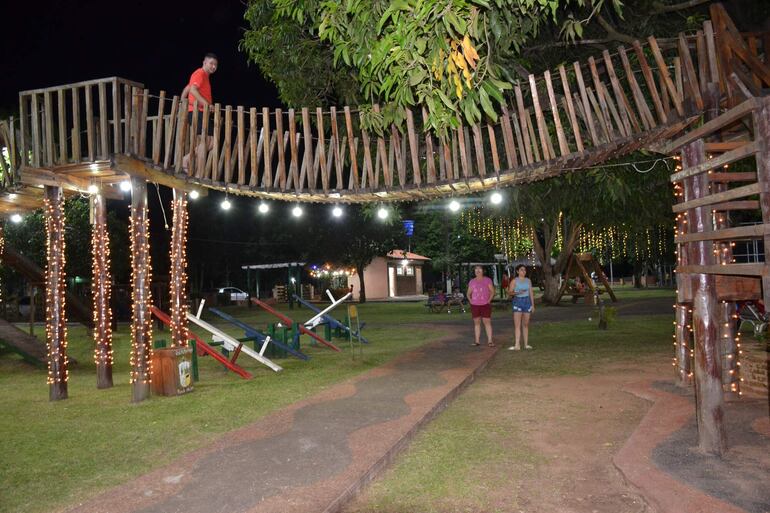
(101, 292)
(141, 169)
(719, 197)
(141, 292)
(761, 119)
(718, 162)
(740, 232)
(178, 274)
(712, 437)
(748, 176)
(729, 117)
(55, 294)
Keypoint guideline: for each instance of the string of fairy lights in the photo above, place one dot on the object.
(178, 286)
(56, 319)
(101, 290)
(141, 297)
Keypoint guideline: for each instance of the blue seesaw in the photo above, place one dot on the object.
(254, 334)
(323, 317)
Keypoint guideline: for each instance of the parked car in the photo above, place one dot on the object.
(234, 294)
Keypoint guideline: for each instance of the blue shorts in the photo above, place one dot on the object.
(522, 304)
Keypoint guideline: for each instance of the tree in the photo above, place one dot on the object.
(356, 239)
(601, 197)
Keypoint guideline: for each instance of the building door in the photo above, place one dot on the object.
(406, 282)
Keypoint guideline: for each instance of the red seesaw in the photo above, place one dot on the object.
(289, 322)
(202, 346)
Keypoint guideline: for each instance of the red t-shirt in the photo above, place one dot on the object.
(199, 79)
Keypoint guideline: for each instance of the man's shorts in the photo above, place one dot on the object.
(209, 127)
(483, 311)
(522, 304)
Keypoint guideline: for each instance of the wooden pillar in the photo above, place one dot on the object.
(2, 250)
(178, 285)
(761, 118)
(141, 292)
(101, 291)
(712, 438)
(55, 294)
(683, 317)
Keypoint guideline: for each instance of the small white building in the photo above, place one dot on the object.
(397, 274)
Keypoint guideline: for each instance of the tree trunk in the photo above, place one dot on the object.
(551, 286)
(361, 285)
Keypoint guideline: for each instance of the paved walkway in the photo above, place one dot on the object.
(314, 455)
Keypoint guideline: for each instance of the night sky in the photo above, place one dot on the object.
(156, 43)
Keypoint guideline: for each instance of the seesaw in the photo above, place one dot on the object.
(254, 334)
(323, 316)
(232, 344)
(289, 322)
(203, 347)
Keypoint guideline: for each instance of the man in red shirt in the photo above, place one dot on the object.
(199, 89)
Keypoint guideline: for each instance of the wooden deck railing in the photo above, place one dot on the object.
(574, 116)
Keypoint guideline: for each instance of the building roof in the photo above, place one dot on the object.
(400, 254)
(280, 265)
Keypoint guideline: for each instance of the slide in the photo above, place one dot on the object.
(76, 310)
(21, 342)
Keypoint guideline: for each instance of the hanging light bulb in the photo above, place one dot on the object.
(496, 198)
(125, 186)
(296, 211)
(194, 195)
(93, 188)
(382, 213)
(263, 208)
(454, 205)
(225, 204)
(337, 211)
(16, 218)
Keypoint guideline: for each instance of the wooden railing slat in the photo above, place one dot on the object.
(90, 143)
(523, 124)
(352, 148)
(663, 70)
(563, 146)
(413, 148)
(241, 140)
(542, 128)
(173, 127)
(570, 108)
(267, 160)
(62, 125)
(585, 102)
(429, 150)
(306, 126)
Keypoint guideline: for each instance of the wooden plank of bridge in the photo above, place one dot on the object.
(24, 115)
(519, 141)
(478, 143)
(703, 63)
(172, 129)
(398, 146)
(613, 110)
(585, 102)
(493, 148)
(650, 80)
(157, 134)
(570, 108)
(127, 119)
(282, 140)
(306, 126)
(257, 158)
(267, 176)
(691, 81)
(336, 147)
(532, 138)
(61, 122)
(413, 148)
(620, 96)
(666, 76)
(463, 154)
(523, 123)
(181, 135)
(542, 128)
(368, 175)
(240, 139)
(144, 102)
(192, 153)
(48, 128)
(678, 77)
(352, 148)
(563, 146)
(75, 125)
(603, 113)
(253, 145)
(508, 144)
(599, 115)
(641, 104)
(90, 143)
(322, 149)
(117, 131)
(430, 161)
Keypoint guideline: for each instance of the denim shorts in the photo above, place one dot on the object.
(522, 304)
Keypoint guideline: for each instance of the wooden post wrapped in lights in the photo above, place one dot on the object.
(2, 250)
(683, 323)
(55, 294)
(712, 438)
(178, 285)
(141, 295)
(101, 291)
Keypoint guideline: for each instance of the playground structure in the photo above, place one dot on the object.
(580, 266)
(702, 96)
(290, 323)
(323, 317)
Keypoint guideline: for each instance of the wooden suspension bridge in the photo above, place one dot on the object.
(702, 95)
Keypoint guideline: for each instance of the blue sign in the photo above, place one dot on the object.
(408, 227)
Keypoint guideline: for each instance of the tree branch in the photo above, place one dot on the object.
(612, 32)
(568, 43)
(661, 8)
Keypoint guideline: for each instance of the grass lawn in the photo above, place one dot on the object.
(464, 460)
(56, 454)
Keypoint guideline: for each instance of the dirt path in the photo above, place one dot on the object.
(570, 427)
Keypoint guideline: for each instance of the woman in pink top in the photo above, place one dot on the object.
(480, 292)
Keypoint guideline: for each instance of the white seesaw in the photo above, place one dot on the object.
(318, 318)
(231, 344)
